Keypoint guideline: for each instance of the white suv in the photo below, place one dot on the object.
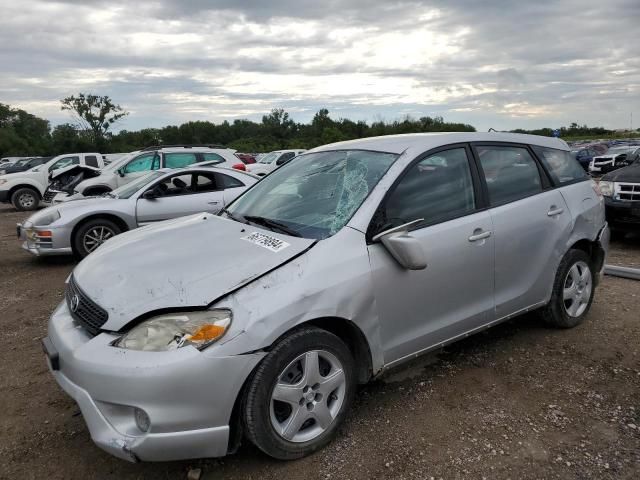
(271, 161)
(154, 158)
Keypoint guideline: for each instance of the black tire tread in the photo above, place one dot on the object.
(260, 382)
(14, 199)
(553, 314)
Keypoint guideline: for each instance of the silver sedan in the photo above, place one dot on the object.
(82, 225)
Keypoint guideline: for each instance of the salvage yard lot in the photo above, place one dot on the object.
(518, 401)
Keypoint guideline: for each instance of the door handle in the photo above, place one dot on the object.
(213, 203)
(553, 211)
(479, 236)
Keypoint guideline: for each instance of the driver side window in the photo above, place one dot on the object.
(437, 188)
(142, 163)
(173, 186)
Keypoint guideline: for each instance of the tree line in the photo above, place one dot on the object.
(22, 133)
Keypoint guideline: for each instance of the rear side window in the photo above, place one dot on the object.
(562, 167)
(91, 160)
(226, 181)
(179, 160)
(437, 188)
(212, 157)
(511, 173)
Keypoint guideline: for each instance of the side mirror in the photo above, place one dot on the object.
(121, 172)
(404, 248)
(150, 194)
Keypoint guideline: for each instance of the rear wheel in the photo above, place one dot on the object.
(93, 234)
(25, 199)
(299, 394)
(573, 291)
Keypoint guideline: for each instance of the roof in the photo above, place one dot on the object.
(427, 141)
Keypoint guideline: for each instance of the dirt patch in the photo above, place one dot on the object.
(518, 401)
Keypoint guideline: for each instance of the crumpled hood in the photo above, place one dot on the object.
(186, 262)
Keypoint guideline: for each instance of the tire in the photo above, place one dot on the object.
(310, 416)
(99, 229)
(25, 199)
(573, 290)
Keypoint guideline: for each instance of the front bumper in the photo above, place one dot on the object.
(59, 243)
(4, 196)
(187, 394)
(622, 215)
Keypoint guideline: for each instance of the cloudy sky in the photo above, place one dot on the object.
(493, 63)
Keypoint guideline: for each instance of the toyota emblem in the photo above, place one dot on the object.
(75, 301)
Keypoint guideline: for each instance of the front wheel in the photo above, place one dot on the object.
(93, 234)
(573, 291)
(25, 199)
(299, 394)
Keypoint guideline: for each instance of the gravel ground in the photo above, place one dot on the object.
(517, 401)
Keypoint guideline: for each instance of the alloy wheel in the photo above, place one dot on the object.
(96, 236)
(578, 285)
(308, 396)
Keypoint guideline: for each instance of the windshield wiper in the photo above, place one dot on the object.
(272, 224)
(230, 215)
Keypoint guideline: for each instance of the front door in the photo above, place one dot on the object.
(179, 195)
(454, 294)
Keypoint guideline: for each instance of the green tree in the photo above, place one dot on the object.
(94, 114)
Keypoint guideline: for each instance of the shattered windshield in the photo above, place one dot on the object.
(314, 195)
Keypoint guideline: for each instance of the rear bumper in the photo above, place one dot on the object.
(622, 215)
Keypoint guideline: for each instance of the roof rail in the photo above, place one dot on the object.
(158, 147)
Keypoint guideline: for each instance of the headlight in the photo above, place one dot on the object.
(175, 330)
(47, 219)
(606, 188)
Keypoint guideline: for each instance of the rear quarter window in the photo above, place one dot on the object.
(562, 167)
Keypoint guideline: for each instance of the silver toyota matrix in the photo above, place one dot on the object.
(183, 338)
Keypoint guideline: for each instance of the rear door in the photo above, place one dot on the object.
(531, 224)
(179, 159)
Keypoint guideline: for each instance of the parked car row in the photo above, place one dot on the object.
(255, 316)
(598, 158)
(48, 180)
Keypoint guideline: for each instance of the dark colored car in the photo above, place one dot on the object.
(26, 164)
(615, 158)
(584, 155)
(621, 190)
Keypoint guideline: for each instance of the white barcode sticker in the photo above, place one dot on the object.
(270, 243)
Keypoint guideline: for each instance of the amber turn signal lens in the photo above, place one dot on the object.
(207, 333)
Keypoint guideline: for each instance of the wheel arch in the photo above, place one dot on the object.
(106, 216)
(344, 329)
(594, 250)
(15, 188)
